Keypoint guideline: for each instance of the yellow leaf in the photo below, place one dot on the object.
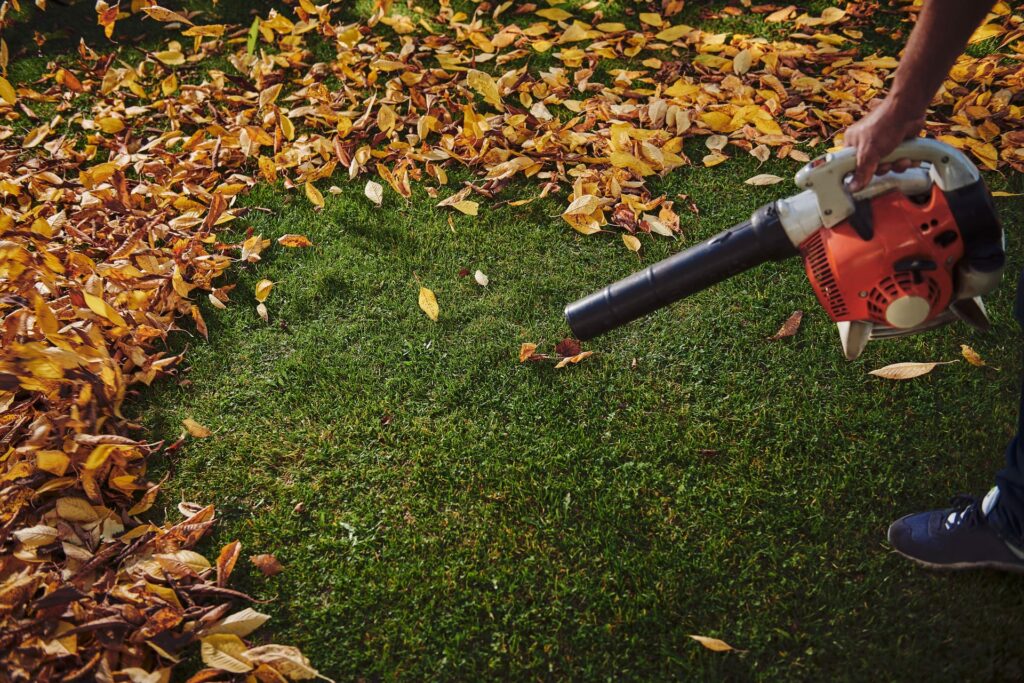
(1001, 193)
(484, 84)
(287, 127)
(631, 242)
(7, 91)
(101, 308)
(170, 57)
(195, 429)
(263, 288)
(467, 207)
(651, 19)
(76, 510)
(428, 302)
(240, 623)
(713, 643)
(554, 14)
(985, 32)
(314, 196)
(225, 651)
(525, 351)
(111, 125)
(294, 241)
(54, 462)
(972, 356)
(741, 62)
(163, 14)
(906, 370)
(713, 159)
(674, 33)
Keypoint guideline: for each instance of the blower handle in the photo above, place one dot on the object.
(826, 175)
(731, 251)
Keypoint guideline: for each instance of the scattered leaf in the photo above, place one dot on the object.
(713, 643)
(374, 191)
(907, 370)
(428, 303)
(195, 429)
(631, 242)
(525, 351)
(790, 327)
(763, 179)
(267, 564)
(294, 241)
(481, 279)
(972, 356)
(263, 288)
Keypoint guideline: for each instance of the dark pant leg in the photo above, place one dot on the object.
(1010, 508)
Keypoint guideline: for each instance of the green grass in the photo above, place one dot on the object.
(468, 516)
(464, 516)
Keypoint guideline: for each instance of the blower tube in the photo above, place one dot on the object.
(731, 251)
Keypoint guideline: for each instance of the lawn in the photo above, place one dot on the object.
(443, 511)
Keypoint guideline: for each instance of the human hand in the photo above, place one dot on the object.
(878, 134)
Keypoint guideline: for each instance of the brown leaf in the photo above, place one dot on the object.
(789, 327)
(525, 351)
(567, 347)
(267, 564)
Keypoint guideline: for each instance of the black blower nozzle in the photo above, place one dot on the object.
(731, 251)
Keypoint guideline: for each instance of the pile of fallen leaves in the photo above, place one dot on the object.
(119, 174)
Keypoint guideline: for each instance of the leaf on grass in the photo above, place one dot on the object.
(573, 359)
(568, 347)
(263, 288)
(294, 241)
(972, 356)
(907, 370)
(195, 429)
(467, 207)
(267, 564)
(7, 91)
(481, 279)
(240, 623)
(226, 652)
(1002, 193)
(789, 327)
(428, 303)
(763, 179)
(286, 660)
(632, 243)
(254, 35)
(314, 196)
(713, 643)
(525, 351)
(261, 308)
(374, 191)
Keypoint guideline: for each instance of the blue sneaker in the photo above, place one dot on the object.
(960, 537)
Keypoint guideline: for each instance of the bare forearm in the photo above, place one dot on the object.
(941, 33)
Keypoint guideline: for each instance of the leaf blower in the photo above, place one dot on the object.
(908, 253)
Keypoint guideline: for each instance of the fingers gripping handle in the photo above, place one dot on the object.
(826, 175)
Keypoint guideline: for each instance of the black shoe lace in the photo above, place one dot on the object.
(967, 511)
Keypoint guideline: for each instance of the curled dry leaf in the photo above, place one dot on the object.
(526, 351)
(267, 564)
(428, 303)
(713, 643)
(195, 429)
(574, 359)
(261, 309)
(907, 370)
(481, 279)
(789, 327)
(263, 288)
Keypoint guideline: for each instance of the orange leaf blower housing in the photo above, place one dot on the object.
(900, 274)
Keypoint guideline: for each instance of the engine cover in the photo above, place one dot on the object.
(892, 263)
